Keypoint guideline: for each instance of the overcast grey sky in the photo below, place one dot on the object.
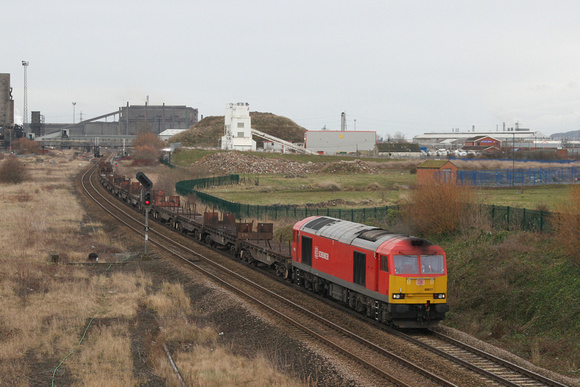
(393, 66)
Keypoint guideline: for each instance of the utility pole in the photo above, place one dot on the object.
(25, 113)
(513, 157)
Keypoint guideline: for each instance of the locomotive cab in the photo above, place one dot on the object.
(417, 287)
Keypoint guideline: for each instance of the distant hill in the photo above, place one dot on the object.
(209, 131)
(574, 134)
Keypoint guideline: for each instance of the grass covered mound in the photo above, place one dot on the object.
(209, 131)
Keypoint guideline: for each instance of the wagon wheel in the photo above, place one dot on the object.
(281, 271)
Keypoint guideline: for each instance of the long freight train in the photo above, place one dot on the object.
(396, 279)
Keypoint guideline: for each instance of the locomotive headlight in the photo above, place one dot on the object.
(398, 296)
(439, 296)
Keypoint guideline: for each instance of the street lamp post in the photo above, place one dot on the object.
(25, 113)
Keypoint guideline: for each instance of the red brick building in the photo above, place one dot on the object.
(482, 144)
(431, 171)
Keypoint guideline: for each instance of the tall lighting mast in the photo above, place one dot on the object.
(25, 115)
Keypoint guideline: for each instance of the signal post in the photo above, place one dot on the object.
(147, 200)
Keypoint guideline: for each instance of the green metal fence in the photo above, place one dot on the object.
(190, 187)
(501, 217)
(187, 187)
(512, 218)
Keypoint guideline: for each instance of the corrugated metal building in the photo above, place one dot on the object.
(155, 118)
(332, 142)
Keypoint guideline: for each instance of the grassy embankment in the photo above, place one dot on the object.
(518, 290)
(79, 325)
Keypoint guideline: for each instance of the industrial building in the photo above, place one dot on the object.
(155, 118)
(457, 140)
(168, 133)
(131, 120)
(6, 101)
(332, 142)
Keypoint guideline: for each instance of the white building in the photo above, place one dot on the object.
(238, 128)
(168, 133)
(456, 139)
(332, 142)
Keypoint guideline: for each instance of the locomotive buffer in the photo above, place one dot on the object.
(147, 200)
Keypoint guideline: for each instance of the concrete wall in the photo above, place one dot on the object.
(101, 128)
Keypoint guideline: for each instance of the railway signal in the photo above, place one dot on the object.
(144, 180)
(147, 202)
(147, 199)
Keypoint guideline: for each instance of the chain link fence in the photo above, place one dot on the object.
(509, 177)
(501, 217)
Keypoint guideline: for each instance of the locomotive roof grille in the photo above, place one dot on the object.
(374, 234)
(317, 224)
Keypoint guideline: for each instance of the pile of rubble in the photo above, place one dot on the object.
(237, 162)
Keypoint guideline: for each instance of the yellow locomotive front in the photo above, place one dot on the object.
(416, 282)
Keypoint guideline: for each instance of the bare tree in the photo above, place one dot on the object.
(399, 137)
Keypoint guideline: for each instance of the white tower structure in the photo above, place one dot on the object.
(238, 128)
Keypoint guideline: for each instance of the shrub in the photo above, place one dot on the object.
(13, 171)
(148, 147)
(567, 225)
(25, 146)
(438, 208)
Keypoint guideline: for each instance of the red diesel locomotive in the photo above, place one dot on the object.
(396, 279)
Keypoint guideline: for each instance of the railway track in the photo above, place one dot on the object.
(492, 370)
(489, 366)
(386, 367)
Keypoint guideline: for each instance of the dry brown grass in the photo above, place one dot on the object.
(203, 366)
(78, 316)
